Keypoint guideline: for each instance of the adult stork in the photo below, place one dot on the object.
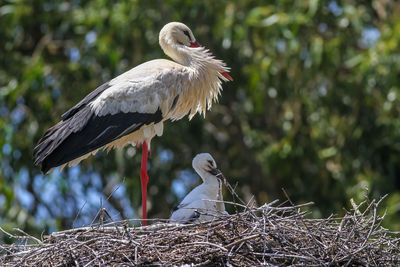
(131, 108)
(205, 201)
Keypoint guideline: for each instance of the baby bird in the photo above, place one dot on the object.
(204, 202)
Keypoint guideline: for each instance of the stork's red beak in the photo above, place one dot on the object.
(195, 44)
(225, 74)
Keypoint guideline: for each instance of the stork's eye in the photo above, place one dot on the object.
(185, 32)
(210, 161)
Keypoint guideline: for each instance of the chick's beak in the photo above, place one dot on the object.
(217, 173)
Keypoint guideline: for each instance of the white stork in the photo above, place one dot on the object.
(205, 201)
(131, 108)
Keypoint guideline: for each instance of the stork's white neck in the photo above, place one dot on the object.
(177, 53)
(214, 187)
(207, 177)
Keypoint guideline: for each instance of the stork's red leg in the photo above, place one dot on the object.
(144, 178)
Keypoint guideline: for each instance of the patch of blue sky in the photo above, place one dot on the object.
(166, 155)
(370, 36)
(335, 8)
(7, 149)
(24, 197)
(91, 38)
(185, 182)
(74, 54)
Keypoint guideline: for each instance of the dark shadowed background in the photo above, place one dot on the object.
(314, 106)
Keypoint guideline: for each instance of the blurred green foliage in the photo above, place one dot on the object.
(313, 109)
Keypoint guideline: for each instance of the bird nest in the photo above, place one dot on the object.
(270, 235)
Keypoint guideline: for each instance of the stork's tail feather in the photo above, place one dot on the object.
(51, 149)
(48, 143)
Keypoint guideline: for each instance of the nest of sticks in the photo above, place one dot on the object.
(270, 235)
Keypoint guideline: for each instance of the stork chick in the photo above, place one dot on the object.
(204, 202)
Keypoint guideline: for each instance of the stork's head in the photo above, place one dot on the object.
(205, 166)
(178, 42)
(174, 38)
(176, 33)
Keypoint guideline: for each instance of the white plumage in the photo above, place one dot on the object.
(205, 202)
(131, 108)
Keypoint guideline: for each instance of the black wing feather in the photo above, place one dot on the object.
(65, 142)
